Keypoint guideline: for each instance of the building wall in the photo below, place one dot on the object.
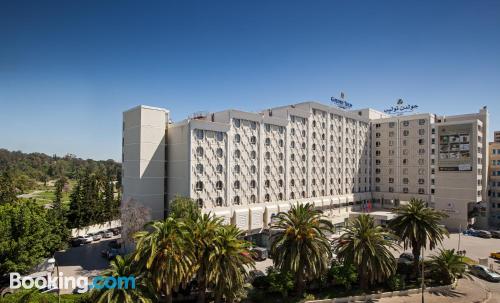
(143, 157)
(494, 183)
(248, 166)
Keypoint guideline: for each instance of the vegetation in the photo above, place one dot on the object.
(165, 251)
(446, 266)
(92, 200)
(123, 267)
(418, 226)
(27, 236)
(367, 247)
(27, 169)
(302, 247)
(343, 274)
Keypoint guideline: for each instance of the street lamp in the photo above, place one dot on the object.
(54, 262)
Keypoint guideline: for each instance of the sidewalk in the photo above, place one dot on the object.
(467, 291)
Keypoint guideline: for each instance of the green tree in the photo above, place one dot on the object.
(301, 247)
(446, 266)
(204, 230)
(7, 188)
(230, 260)
(125, 293)
(367, 247)
(418, 226)
(24, 236)
(165, 250)
(56, 217)
(184, 208)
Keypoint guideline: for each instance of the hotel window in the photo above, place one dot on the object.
(377, 135)
(406, 132)
(253, 125)
(421, 171)
(237, 169)
(252, 199)
(292, 131)
(421, 121)
(421, 151)
(237, 153)
(218, 201)
(219, 168)
(377, 152)
(421, 141)
(405, 180)
(199, 134)
(405, 152)
(280, 196)
(421, 191)
(405, 190)
(218, 185)
(236, 122)
(292, 195)
(253, 155)
(391, 180)
(391, 189)
(392, 124)
(421, 131)
(268, 169)
(280, 142)
(421, 181)
(236, 200)
(292, 157)
(199, 186)
(280, 183)
(220, 136)
(268, 127)
(237, 138)
(267, 183)
(421, 161)
(303, 182)
(280, 156)
(268, 141)
(236, 184)
(406, 123)
(280, 169)
(391, 134)
(219, 152)
(252, 184)
(199, 151)
(268, 155)
(253, 139)
(199, 168)
(253, 169)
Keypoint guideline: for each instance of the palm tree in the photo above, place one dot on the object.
(166, 251)
(417, 226)
(301, 246)
(367, 247)
(447, 266)
(229, 263)
(203, 231)
(123, 267)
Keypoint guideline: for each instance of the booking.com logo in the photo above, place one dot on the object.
(69, 282)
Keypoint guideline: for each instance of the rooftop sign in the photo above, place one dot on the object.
(400, 108)
(341, 103)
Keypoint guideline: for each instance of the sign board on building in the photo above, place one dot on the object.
(455, 153)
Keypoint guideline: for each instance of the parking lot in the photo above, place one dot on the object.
(84, 260)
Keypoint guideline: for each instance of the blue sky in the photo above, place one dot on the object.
(69, 69)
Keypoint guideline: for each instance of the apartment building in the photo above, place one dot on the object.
(494, 182)
(496, 136)
(246, 167)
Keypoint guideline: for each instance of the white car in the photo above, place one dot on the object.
(97, 237)
(86, 239)
(108, 234)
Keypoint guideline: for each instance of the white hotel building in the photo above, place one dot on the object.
(246, 167)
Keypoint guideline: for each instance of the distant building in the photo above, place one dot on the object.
(494, 182)
(497, 136)
(246, 167)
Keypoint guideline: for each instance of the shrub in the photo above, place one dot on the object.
(395, 282)
(279, 282)
(343, 274)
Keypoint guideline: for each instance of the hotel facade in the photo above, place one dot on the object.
(246, 167)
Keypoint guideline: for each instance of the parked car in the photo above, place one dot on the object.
(75, 242)
(259, 253)
(108, 234)
(495, 234)
(86, 239)
(483, 234)
(116, 231)
(97, 237)
(495, 255)
(484, 272)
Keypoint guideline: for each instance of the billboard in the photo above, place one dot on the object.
(455, 150)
